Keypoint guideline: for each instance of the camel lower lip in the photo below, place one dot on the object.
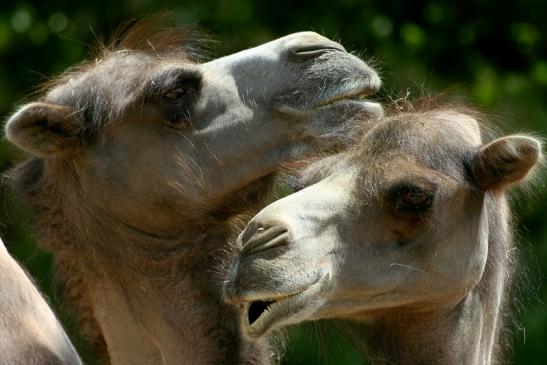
(358, 106)
(262, 315)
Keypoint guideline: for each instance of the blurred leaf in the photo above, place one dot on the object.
(515, 84)
(5, 35)
(382, 26)
(434, 12)
(413, 35)
(540, 72)
(21, 20)
(39, 33)
(467, 34)
(485, 88)
(57, 22)
(526, 35)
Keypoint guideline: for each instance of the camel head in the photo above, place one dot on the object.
(149, 135)
(398, 222)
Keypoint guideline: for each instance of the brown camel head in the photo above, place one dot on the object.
(398, 222)
(149, 136)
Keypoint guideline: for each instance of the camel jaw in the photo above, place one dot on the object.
(262, 314)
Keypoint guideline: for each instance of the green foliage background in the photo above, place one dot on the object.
(494, 53)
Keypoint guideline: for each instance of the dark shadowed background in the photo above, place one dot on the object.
(495, 55)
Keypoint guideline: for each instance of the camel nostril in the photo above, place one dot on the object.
(305, 52)
(251, 231)
(262, 238)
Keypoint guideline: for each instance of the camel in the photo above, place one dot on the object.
(143, 157)
(406, 238)
(33, 335)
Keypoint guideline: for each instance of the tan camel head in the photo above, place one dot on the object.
(399, 222)
(151, 135)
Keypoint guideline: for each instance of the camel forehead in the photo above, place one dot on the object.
(441, 141)
(112, 75)
(104, 90)
(449, 126)
(417, 133)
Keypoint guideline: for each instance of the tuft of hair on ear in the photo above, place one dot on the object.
(45, 129)
(506, 161)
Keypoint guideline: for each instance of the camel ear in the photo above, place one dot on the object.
(45, 129)
(505, 161)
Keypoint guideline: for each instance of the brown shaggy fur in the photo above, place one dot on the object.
(136, 205)
(152, 36)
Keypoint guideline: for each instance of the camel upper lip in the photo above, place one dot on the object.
(262, 313)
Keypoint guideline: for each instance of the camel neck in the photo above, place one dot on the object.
(148, 299)
(166, 307)
(456, 336)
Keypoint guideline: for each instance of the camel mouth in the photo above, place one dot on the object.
(357, 96)
(269, 312)
(354, 99)
(353, 95)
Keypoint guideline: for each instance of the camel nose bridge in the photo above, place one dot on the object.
(295, 219)
(304, 46)
(307, 211)
(297, 46)
(268, 67)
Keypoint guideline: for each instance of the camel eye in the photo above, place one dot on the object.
(414, 199)
(178, 106)
(409, 198)
(175, 94)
